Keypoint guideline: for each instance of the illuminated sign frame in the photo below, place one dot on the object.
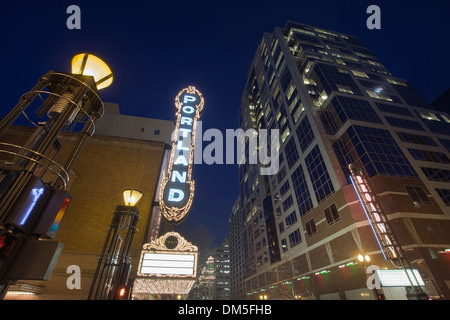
(177, 188)
(375, 215)
(168, 247)
(161, 247)
(167, 264)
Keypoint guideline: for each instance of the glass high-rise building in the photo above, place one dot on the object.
(236, 236)
(335, 104)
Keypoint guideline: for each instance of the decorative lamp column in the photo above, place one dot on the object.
(110, 280)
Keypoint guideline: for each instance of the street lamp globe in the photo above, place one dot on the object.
(361, 258)
(91, 65)
(131, 197)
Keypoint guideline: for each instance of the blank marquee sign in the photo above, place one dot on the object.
(167, 264)
(398, 278)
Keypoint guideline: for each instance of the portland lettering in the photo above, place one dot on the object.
(177, 189)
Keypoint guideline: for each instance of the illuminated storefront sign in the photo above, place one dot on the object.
(374, 214)
(177, 188)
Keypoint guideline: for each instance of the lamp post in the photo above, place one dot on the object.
(111, 275)
(27, 202)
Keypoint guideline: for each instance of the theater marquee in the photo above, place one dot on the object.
(177, 188)
(168, 265)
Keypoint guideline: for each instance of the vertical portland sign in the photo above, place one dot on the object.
(177, 188)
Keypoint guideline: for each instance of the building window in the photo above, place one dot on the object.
(436, 126)
(291, 153)
(284, 245)
(157, 131)
(310, 228)
(281, 227)
(329, 78)
(285, 134)
(331, 214)
(378, 95)
(344, 89)
(299, 108)
(292, 99)
(445, 143)
(425, 155)
(397, 82)
(345, 56)
(445, 118)
(285, 79)
(393, 109)
(428, 115)
(295, 238)
(305, 134)
(284, 188)
(417, 195)
(417, 139)
(278, 210)
(373, 63)
(436, 174)
(377, 150)
(291, 219)
(445, 195)
(404, 123)
(281, 174)
(301, 191)
(353, 109)
(360, 74)
(287, 203)
(318, 173)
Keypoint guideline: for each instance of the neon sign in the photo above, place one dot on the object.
(374, 214)
(177, 188)
(36, 193)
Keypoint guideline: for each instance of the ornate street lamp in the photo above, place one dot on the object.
(32, 183)
(131, 197)
(111, 276)
(90, 65)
